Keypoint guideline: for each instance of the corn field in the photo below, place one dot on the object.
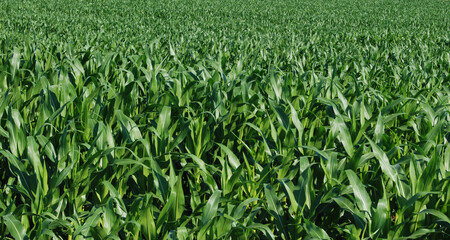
(208, 119)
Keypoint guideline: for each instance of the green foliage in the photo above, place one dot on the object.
(224, 119)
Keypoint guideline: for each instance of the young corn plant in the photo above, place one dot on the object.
(224, 120)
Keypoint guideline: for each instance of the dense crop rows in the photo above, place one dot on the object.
(211, 119)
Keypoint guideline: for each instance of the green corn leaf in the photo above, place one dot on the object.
(148, 224)
(362, 197)
(159, 179)
(129, 126)
(275, 208)
(210, 209)
(233, 180)
(281, 115)
(15, 228)
(346, 204)
(164, 121)
(239, 211)
(165, 212)
(314, 231)
(380, 217)
(298, 125)
(381, 156)
(290, 189)
(264, 229)
(344, 135)
(234, 161)
(419, 234)
(91, 221)
(201, 164)
(437, 214)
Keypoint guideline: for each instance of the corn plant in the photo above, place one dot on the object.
(224, 119)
